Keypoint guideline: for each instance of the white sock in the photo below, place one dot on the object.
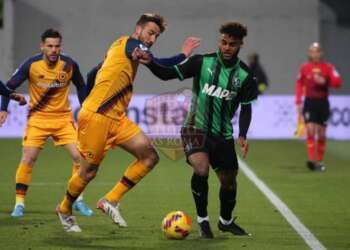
(19, 203)
(80, 198)
(225, 222)
(201, 219)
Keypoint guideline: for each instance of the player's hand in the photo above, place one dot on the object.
(145, 58)
(243, 143)
(141, 56)
(3, 116)
(189, 45)
(18, 98)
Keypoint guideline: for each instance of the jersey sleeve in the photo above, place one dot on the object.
(78, 81)
(91, 77)
(189, 68)
(186, 69)
(299, 86)
(19, 76)
(132, 44)
(170, 61)
(4, 91)
(249, 91)
(245, 117)
(334, 77)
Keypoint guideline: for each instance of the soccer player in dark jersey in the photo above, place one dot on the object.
(5, 91)
(314, 80)
(221, 83)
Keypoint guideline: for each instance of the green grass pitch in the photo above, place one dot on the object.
(320, 200)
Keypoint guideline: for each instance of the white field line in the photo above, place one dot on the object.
(288, 214)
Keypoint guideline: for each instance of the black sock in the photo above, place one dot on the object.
(199, 185)
(227, 201)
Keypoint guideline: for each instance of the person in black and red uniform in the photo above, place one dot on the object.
(315, 79)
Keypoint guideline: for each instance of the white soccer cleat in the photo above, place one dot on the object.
(68, 222)
(112, 211)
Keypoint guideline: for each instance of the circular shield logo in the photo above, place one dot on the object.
(62, 76)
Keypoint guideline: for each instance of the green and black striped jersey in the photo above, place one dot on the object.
(217, 92)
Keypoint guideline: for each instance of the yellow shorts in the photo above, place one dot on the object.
(98, 133)
(62, 132)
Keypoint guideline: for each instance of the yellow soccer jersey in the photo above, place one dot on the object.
(113, 87)
(48, 86)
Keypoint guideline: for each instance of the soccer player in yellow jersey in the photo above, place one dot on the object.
(49, 75)
(103, 124)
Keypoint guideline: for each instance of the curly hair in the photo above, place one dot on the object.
(234, 29)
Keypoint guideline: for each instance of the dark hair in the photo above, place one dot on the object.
(150, 17)
(50, 33)
(234, 29)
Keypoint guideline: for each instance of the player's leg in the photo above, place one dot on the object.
(146, 156)
(33, 141)
(227, 195)
(93, 131)
(224, 161)
(199, 186)
(310, 144)
(79, 204)
(194, 142)
(322, 118)
(321, 145)
(310, 114)
(138, 144)
(76, 185)
(23, 177)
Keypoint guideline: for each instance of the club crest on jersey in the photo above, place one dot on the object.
(62, 77)
(237, 82)
(212, 90)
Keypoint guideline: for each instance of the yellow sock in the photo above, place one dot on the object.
(23, 179)
(75, 169)
(134, 173)
(75, 187)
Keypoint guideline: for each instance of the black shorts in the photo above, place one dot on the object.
(221, 151)
(316, 111)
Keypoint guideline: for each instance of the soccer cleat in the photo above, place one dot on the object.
(319, 167)
(232, 228)
(112, 211)
(205, 230)
(68, 222)
(18, 211)
(82, 208)
(311, 165)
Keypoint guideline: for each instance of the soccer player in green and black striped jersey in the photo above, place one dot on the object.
(221, 83)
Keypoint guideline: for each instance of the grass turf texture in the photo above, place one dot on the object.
(320, 200)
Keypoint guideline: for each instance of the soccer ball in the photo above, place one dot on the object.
(176, 225)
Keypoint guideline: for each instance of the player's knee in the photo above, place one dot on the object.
(151, 159)
(29, 160)
(76, 159)
(88, 174)
(228, 180)
(228, 184)
(201, 171)
(200, 168)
